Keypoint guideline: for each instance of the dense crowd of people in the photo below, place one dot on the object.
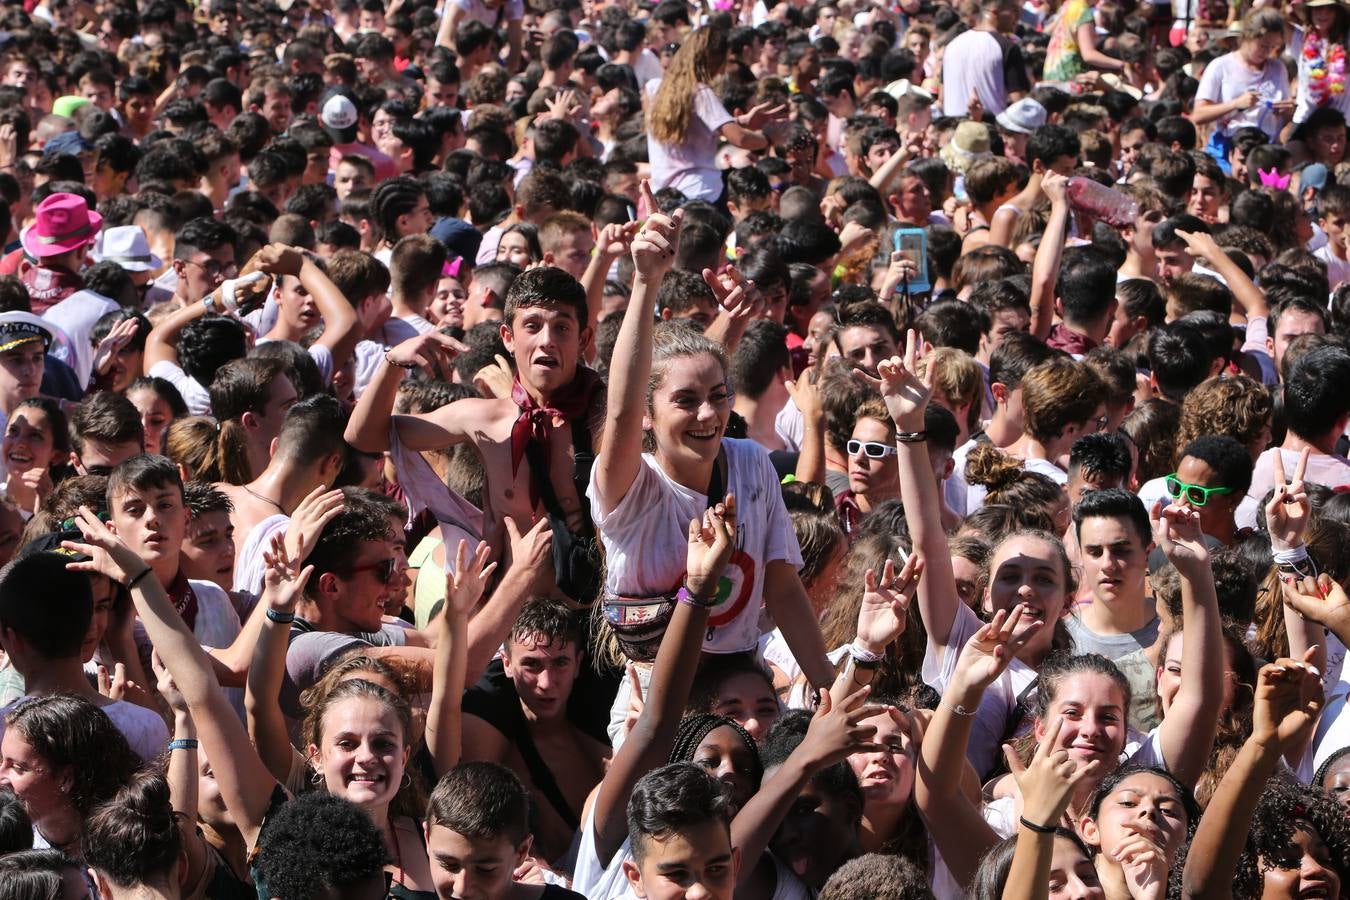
(515, 449)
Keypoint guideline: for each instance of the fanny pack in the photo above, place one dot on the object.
(639, 623)
(577, 565)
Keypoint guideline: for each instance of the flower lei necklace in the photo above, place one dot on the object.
(1326, 68)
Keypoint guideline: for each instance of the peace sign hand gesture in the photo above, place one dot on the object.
(991, 649)
(1289, 510)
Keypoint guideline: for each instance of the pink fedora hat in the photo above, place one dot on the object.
(64, 223)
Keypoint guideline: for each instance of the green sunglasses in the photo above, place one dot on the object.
(1195, 494)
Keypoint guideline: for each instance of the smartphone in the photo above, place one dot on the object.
(913, 242)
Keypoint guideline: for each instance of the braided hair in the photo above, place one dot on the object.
(693, 729)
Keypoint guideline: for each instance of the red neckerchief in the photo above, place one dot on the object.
(535, 422)
(1072, 342)
(184, 599)
(48, 287)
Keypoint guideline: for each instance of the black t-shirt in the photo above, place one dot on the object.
(1014, 65)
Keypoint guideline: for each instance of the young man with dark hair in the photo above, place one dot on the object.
(1213, 477)
(46, 642)
(208, 543)
(866, 335)
(478, 835)
(760, 370)
(685, 295)
(1317, 409)
(105, 431)
(678, 820)
(147, 511)
(1178, 360)
(1097, 462)
(1085, 301)
(551, 417)
(519, 714)
(414, 270)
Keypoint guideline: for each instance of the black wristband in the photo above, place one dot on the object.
(911, 437)
(144, 572)
(1039, 829)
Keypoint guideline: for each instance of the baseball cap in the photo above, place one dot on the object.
(338, 115)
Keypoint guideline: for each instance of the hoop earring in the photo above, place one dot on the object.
(316, 779)
(406, 782)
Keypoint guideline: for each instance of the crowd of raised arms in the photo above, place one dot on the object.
(636, 450)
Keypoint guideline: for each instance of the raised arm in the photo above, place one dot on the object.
(463, 587)
(1046, 786)
(648, 744)
(368, 427)
(613, 242)
(245, 783)
(181, 773)
(1250, 297)
(616, 466)
(1086, 35)
(960, 832)
(445, 35)
(906, 398)
(161, 344)
(489, 627)
(282, 590)
(1187, 733)
(805, 393)
(1045, 267)
(1288, 701)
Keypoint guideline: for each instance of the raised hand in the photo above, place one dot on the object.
(532, 548)
(1323, 601)
(805, 394)
(1289, 510)
(885, 604)
(308, 520)
(108, 554)
(836, 731)
(761, 115)
(990, 650)
(616, 238)
(711, 543)
(432, 352)
(1199, 244)
(279, 259)
(118, 687)
(655, 242)
(166, 687)
(1288, 701)
(121, 334)
(1056, 187)
(636, 703)
(1176, 531)
(734, 292)
(283, 578)
(465, 583)
(1048, 783)
(495, 379)
(905, 394)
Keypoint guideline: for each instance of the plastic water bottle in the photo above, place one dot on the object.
(1101, 202)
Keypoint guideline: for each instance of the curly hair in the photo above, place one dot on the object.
(1236, 406)
(317, 844)
(1285, 805)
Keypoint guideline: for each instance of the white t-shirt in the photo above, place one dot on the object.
(790, 426)
(401, 328)
(1328, 471)
(492, 17)
(646, 538)
(973, 61)
(989, 730)
(599, 879)
(76, 316)
(196, 397)
(1228, 78)
(1338, 270)
(691, 165)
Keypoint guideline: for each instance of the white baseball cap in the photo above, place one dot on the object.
(338, 116)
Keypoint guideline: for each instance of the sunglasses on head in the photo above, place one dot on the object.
(871, 449)
(1196, 495)
(384, 570)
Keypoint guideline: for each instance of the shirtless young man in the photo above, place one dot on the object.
(544, 330)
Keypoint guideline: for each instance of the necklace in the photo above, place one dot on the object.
(266, 500)
(1326, 68)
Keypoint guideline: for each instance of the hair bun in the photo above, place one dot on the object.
(991, 468)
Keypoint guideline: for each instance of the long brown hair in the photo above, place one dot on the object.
(694, 63)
